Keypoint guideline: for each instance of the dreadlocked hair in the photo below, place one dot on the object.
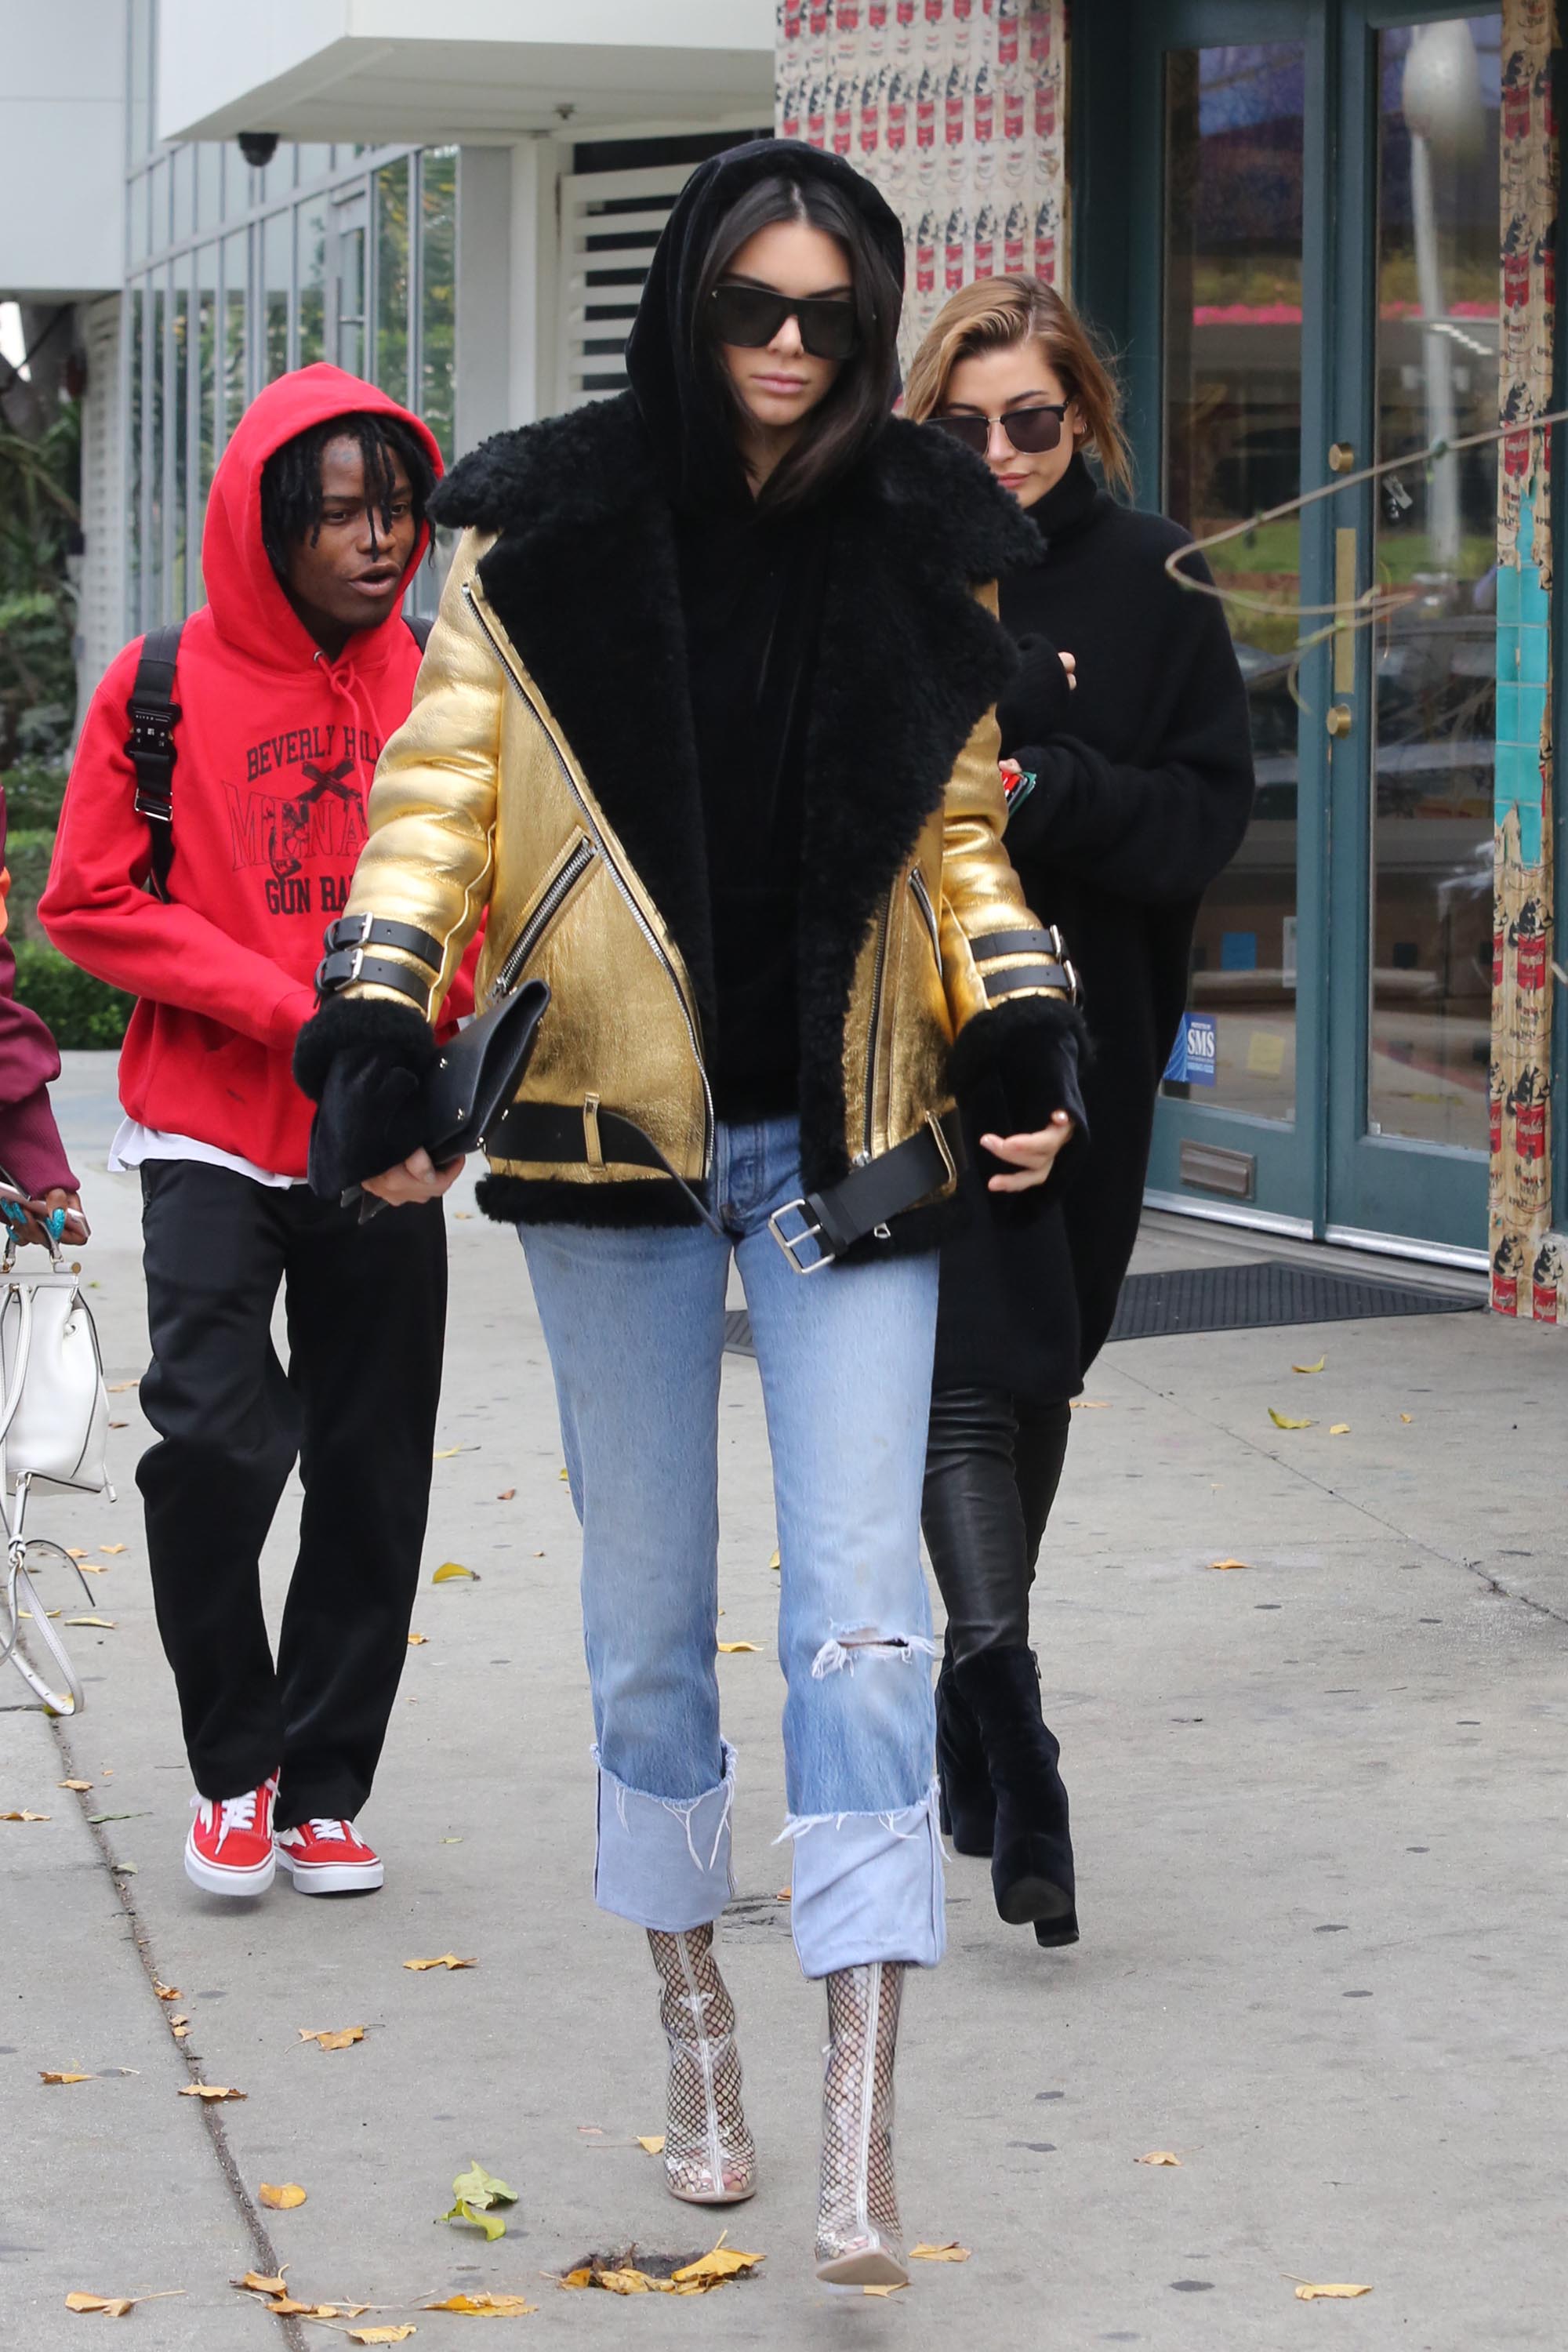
(291, 477)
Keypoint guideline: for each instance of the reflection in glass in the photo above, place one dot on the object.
(437, 291)
(236, 321)
(351, 299)
(310, 267)
(153, 568)
(178, 428)
(1232, 445)
(1434, 532)
(277, 259)
(390, 364)
(207, 342)
(134, 474)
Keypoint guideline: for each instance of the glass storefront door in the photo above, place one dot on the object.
(1321, 294)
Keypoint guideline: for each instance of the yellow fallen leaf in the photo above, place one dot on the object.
(723, 2261)
(1159, 2156)
(340, 2040)
(563, 1474)
(652, 2143)
(729, 1648)
(282, 2198)
(92, 1568)
(507, 1495)
(1231, 1563)
(72, 1554)
(210, 2091)
(108, 1623)
(442, 1960)
(1339, 1428)
(254, 2282)
(952, 2252)
(449, 1571)
(897, 2287)
(582, 2277)
(82, 1787)
(775, 1562)
(1310, 1368)
(1408, 1418)
(447, 1452)
(26, 1817)
(48, 2075)
(417, 1640)
(1306, 2293)
(380, 2335)
(114, 2305)
(485, 2306)
(167, 1992)
(114, 1551)
(118, 1388)
(1283, 1420)
(179, 2027)
(1091, 1404)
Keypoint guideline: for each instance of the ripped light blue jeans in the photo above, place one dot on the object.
(634, 1320)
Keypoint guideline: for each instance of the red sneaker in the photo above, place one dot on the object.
(327, 1857)
(229, 1849)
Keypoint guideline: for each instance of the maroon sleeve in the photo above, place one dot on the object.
(31, 1151)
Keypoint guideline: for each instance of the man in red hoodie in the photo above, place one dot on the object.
(288, 681)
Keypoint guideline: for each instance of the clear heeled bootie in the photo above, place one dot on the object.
(860, 2238)
(709, 2156)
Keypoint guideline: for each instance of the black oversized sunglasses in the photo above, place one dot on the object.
(752, 316)
(1031, 430)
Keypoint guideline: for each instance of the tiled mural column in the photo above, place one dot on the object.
(957, 109)
(1530, 1262)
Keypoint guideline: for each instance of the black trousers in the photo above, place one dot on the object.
(366, 1308)
(993, 1462)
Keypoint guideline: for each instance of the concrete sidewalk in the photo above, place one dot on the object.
(1322, 1888)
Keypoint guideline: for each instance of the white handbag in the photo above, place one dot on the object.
(54, 1432)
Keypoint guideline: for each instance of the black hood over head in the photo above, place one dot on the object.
(679, 401)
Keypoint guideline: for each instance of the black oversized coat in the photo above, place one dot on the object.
(1143, 788)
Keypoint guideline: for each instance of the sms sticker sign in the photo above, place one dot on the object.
(1192, 1061)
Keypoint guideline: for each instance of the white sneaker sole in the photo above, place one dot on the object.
(330, 1877)
(216, 1878)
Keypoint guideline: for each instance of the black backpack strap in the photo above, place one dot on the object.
(154, 714)
(419, 628)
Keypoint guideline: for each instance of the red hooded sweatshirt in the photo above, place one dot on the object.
(275, 750)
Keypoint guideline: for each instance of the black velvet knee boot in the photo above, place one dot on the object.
(968, 1803)
(1031, 1857)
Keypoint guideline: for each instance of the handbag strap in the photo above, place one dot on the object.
(22, 1292)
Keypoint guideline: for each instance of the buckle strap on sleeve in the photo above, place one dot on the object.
(346, 965)
(378, 931)
(1013, 977)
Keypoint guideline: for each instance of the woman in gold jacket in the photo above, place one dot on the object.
(704, 732)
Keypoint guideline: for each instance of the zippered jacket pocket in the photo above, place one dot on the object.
(928, 913)
(570, 874)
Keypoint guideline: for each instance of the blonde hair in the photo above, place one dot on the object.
(994, 312)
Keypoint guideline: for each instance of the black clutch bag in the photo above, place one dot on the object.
(477, 1072)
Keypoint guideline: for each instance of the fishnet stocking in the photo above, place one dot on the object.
(858, 2213)
(709, 2156)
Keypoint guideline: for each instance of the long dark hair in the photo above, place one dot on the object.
(858, 402)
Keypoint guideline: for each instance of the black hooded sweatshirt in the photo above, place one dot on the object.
(752, 585)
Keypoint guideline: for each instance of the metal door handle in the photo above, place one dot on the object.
(1340, 719)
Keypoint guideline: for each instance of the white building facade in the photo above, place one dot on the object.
(465, 220)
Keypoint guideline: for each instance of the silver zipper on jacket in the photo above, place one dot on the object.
(613, 870)
(922, 900)
(543, 915)
(878, 976)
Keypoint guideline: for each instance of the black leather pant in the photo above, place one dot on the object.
(993, 1464)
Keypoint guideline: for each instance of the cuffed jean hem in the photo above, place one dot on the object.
(867, 1887)
(664, 1862)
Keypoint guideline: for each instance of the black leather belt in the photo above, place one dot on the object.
(862, 1202)
(347, 941)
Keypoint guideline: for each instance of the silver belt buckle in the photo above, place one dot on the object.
(791, 1244)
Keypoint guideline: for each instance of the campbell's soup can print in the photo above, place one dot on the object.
(1494, 1123)
(844, 117)
(1529, 1131)
(1012, 113)
(790, 14)
(1046, 245)
(1516, 265)
(1499, 936)
(1505, 1291)
(955, 106)
(1546, 255)
(925, 256)
(870, 113)
(925, 110)
(816, 117)
(789, 112)
(1039, 37)
(984, 106)
(1543, 1286)
(897, 112)
(985, 243)
(1013, 237)
(1546, 97)
(1045, 109)
(1516, 101)
(846, 15)
(906, 17)
(817, 19)
(953, 257)
(877, 16)
(1529, 961)
(1006, 32)
(934, 11)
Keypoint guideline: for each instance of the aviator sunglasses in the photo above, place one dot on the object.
(751, 316)
(1032, 431)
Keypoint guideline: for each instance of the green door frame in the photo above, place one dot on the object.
(1321, 1174)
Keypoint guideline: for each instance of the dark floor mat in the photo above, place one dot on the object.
(1249, 1297)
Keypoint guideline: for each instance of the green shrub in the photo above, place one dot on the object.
(78, 1010)
(27, 855)
(34, 790)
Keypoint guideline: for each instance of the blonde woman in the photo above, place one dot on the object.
(1126, 747)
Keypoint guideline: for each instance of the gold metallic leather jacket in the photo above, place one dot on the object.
(480, 803)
